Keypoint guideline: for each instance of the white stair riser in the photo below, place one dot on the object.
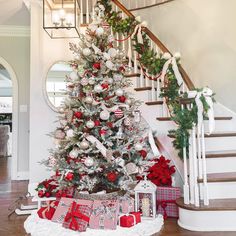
(219, 165)
(207, 220)
(221, 190)
(220, 143)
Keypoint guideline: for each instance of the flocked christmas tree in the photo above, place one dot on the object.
(102, 141)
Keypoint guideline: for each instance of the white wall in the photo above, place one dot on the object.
(44, 52)
(15, 50)
(204, 32)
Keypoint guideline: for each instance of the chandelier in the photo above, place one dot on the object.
(61, 18)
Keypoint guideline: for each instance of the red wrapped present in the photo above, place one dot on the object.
(64, 206)
(48, 211)
(126, 204)
(166, 201)
(77, 217)
(104, 214)
(130, 220)
(137, 216)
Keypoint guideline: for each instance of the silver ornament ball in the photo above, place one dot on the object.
(90, 124)
(89, 162)
(104, 115)
(119, 92)
(138, 146)
(88, 100)
(84, 145)
(98, 88)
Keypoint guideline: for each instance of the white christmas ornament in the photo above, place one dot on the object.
(89, 161)
(128, 101)
(110, 65)
(138, 147)
(91, 81)
(70, 133)
(109, 80)
(98, 88)
(88, 100)
(84, 82)
(84, 145)
(73, 75)
(104, 115)
(74, 153)
(77, 57)
(119, 92)
(90, 124)
(106, 56)
(119, 113)
(86, 51)
(99, 31)
(131, 168)
(117, 77)
(112, 52)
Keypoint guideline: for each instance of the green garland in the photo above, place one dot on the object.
(153, 64)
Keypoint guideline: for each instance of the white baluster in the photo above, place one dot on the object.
(158, 91)
(186, 185)
(130, 52)
(87, 11)
(93, 6)
(199, 151)
(123, 37)
(141, 78)
(81, 12)
(191, 169)
(205, 187)
(153, 91)
(195, 169)
(135, 62)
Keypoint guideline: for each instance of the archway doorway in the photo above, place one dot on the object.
(9, 115)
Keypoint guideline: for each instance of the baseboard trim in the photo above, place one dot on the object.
(22, 175)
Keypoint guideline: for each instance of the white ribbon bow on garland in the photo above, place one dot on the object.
(207, 93)
(178, 76)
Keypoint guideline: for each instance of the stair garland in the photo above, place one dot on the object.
(153, 63)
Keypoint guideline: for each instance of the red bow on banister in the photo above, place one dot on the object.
(72, 214)
(163, 204)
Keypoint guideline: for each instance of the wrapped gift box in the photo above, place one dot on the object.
(126, 204)
(130, 220)
(77, 217)
(104, 214)
(48, 211)
(166, 201)
(64, 206)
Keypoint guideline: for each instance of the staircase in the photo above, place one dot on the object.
(208, 178)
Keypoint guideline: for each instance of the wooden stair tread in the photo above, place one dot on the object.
(216, 118)
(216, 135)
(214, 205)
(143, 88)
(220, 154)
(132, 75)
(220, 177)
(154, 103)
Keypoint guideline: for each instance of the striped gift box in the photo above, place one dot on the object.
(166, 198)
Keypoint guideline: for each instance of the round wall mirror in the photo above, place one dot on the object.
(55, 86)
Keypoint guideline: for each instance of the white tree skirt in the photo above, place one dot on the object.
(40, 227)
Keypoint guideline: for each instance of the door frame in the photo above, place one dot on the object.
(14, 162)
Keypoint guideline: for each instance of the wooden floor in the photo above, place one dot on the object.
(13, 226)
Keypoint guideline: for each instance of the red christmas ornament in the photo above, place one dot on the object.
(78, 114)
(102, 132)
(122, 98)
(69, 176)
(119, 113)
(97, 122)
(105, 86)
(41, 193)
(112, 176)
(97, 65)
(57, 173)
(122, 69)
(47, 194)
(143, 153)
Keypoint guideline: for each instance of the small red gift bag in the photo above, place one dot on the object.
(48, 211)
(166, 201)
(77, 218)
(130, 220)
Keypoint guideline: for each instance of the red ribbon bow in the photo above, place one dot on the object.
(163, 204)
(73, 213)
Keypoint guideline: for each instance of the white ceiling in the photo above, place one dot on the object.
(14, 12)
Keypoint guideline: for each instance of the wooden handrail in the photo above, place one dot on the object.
(163, 48)
(152, 5)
